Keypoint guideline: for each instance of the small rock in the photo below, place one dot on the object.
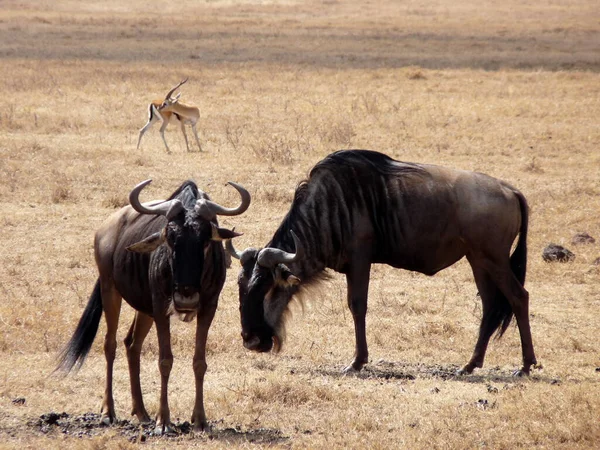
(596, 262)
(492, 389)
(435, 390)
(597, 369)
(557, 253)
(582, 238)
(19, 401)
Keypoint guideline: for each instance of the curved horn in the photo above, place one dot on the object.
(169, 208)
(243, 256)
(232, 251)
(270, 257)
(168, 96)
(209, 209)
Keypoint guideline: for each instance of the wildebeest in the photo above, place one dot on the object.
(163, 258)
(360, 207)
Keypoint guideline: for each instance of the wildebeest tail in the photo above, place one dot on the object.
(502, 313)
(79, 346)
(518, 260)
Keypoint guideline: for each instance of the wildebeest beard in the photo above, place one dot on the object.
(279, 309)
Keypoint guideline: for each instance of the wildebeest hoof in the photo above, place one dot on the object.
(107, 419)
(162, 429)
(350, 370)
(466, 370)
(201, 427)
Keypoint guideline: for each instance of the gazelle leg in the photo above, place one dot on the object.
(163, 127)
(133, 343)
(185, 135)
(111, 304)
(144, 129)
(196, 135)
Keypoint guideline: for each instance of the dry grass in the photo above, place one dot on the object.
(510, 89)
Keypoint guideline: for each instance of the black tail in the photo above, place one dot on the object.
(79, 346)
(518, 260)
(502, 313)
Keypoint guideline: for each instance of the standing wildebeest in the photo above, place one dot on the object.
(163, 258)
(361, 207)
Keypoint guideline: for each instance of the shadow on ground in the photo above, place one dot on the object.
(389, 370)
(88, 425)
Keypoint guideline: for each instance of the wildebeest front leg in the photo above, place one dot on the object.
(133, 343)
(358, 289)
(165, 363)
(203, 324)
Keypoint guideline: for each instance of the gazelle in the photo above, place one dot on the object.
(170, 110)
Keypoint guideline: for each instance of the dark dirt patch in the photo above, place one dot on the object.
(389, 370)
(582, 238)
(557, 253)
(88, 425)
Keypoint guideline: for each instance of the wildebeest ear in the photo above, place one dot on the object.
(285, 277)
(221, 234)
(148, 244)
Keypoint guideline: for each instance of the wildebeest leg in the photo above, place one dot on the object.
(133, 343)
(518, 298)
(165, 363)
(187, 145)
(358, 288)
(487, 291)
(111, 304)
(196, 135)
(204, 320)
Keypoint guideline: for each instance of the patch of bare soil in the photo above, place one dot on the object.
(89, 425)
(389, 370)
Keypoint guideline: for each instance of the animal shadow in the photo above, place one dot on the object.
(389, 370)
(89, 425)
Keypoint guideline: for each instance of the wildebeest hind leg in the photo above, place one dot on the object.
(491, 318)
(111, 304)
(204, 320)
(133, 344)
(518, 298)
(358, 289)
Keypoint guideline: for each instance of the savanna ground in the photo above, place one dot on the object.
(507, 88)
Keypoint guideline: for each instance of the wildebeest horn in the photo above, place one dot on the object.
(168, 96)
(270, 257)
(209, 209)
(169, 208)
(242, 256)
(231, 249)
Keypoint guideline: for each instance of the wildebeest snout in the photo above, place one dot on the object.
(186, 299)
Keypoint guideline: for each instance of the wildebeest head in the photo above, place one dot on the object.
(266, 287)
(187, 236)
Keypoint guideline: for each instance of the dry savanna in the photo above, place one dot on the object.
(511, 89)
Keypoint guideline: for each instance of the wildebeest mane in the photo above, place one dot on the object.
(325, 204)
(188, 193)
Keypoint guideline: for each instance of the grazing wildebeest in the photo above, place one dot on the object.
(360, 207)
(163, 258)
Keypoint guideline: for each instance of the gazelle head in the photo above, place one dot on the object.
(168, 101)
